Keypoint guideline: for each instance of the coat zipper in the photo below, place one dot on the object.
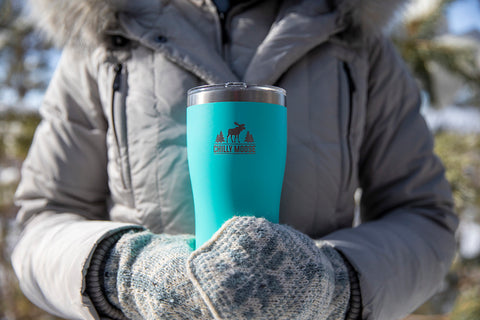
(224, 36)
(224, 20)
(118, 122)
(118, 75)
(351, 92)
(223, 29)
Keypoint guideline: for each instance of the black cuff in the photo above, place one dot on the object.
(354, 311)
(95, 280)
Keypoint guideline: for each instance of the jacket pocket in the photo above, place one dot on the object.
(118, 116)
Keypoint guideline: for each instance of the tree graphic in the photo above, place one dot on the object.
(220, 137)
(249, 137)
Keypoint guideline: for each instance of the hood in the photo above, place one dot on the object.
(86, 22)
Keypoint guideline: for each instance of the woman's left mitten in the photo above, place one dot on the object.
(254, 269)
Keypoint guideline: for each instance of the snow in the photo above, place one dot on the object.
(9, 175)
(453, 118)
(469, 239)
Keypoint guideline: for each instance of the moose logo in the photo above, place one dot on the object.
(233, 144)
(234, 133)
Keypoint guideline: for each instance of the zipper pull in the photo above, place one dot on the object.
(118, 77)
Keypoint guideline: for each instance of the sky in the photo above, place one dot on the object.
(463, 15)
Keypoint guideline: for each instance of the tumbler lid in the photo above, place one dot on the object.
(236, 91)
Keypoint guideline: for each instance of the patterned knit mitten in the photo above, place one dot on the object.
(254, 269)
(145, 277)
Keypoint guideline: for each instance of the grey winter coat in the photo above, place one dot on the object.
(110, 152)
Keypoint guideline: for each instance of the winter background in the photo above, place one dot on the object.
(439, 39)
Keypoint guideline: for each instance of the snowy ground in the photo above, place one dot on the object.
(454, 118)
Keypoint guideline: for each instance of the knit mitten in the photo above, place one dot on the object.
(254, 269)
(145, 277)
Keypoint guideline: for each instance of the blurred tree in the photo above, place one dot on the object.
(420, 42)
(470, 308)
(443, 64)
(27, 123)
(460, 154)
(25, 60)
(25, 68)
(16, 133)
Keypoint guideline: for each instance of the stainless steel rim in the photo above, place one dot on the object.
(236, 91)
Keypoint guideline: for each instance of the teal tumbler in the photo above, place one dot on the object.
(236, 146)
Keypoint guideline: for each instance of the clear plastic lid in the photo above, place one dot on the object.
(236, 91)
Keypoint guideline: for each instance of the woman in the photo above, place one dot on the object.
(105, 194)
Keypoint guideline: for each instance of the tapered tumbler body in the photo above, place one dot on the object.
(236, 157)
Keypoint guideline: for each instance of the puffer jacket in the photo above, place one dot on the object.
(110, 153)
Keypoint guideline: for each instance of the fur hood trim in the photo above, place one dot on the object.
(86, 22)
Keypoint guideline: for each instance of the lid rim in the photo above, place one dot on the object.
(236, 91)
(224, 86)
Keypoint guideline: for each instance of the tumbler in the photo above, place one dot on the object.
(236, 146)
